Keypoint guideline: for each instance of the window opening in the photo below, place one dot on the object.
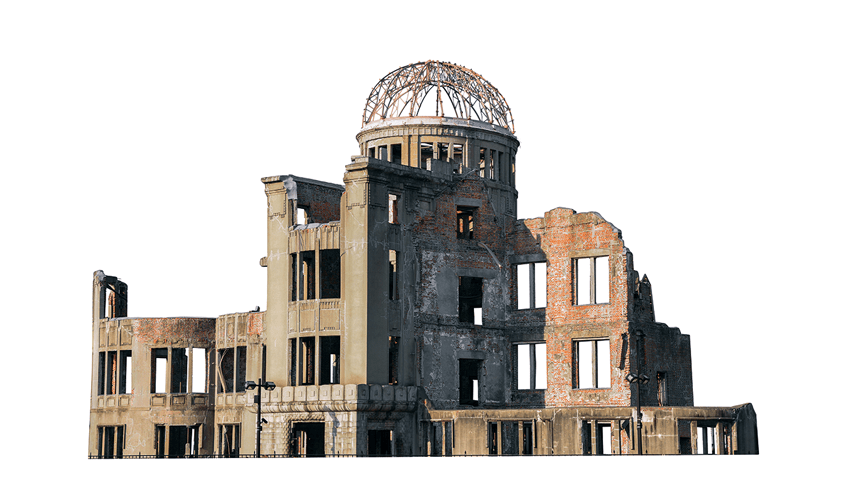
(591, 281)
(457, 155)
(493, 437)
(379, 442)
(228, 440)
(531, 366)
(395, 153)
(125, 372)
(603, 438)
(101, 372)
(329, 369)
(241, 366)
(662, 389)
(393, 360)
(468, 382)
(465, 222)
(492, 165)
(592, 364)
(528, 441)
(393, 208)
(110, 442)
(308, 353)
(470, 298)
(392, 293)
(531, 285)
(179, 370)
(225, 370)
(199, 370)
(482, 162)
(293, 362)
(159, 363)
(426, 153)
(443, 149)
(301, 216)
(307, 439)
(111, 367)
(329, 273)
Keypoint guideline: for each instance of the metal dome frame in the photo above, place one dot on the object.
(405, 89)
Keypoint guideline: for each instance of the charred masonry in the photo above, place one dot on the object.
(411, 313)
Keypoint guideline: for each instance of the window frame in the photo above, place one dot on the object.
(594, 281)
(595, 384)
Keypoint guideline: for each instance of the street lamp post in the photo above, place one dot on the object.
(250, 385)
(638, 379)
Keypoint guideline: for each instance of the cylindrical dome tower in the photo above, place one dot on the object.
(434, 111)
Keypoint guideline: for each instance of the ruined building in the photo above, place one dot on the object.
(411, 312)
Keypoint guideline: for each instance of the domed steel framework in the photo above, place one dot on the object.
(402, 92)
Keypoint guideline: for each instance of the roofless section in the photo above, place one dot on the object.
(454, 90)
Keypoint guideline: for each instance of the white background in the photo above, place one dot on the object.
(133, 137)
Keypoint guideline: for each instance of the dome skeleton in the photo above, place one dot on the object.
(402, 92)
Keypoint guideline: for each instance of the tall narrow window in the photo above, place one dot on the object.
(465, 223)
(662, 389)
(395, 153)
(531, 366)
(179, 370)
(468, 370)
(329, 273)
(393, 361)
(308, 354)
(426, 153)
(393, 208)
(224, 370)
(470, 299)
(591, 280)
(199, 370)
(111, 369)
(603, 438)
(125, 372)
(531, 285)
(159, 363)
(592, 364)
(393, 270)
(329, 366)
(301, 216)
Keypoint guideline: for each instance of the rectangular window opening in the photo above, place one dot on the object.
(125, 372)
(469, 386)
(392, 293)
(482, 162)
(308, 354)
(101, 372)
(329, 273)
(179, 370)
(470, 298)
(307, 439)
(493, 438)
(228, 440)
(426, 153)
(465, 223)
(661, 378)
(393, 360)
(591, 280)
(241, 367)
(301, 217)
(531, 285)
(329, 368)
(224, 371)
(159, 363)
(395, 153)
(111, 369)
(199, 370)
(592, 364)
(531, 366)
(443, 148)
(527, 441)
(603, 438)
(393, 208)
(379, 442)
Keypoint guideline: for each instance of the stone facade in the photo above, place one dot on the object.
(410, 312)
